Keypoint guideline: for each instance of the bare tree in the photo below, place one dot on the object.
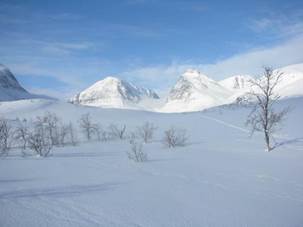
(101, 134)
(51, 124)
(98, 130)
(87, 126)
(40, 140)
(117, 132)
(63, 134)
(136, 152)
(5, 134)
(72, 134)
(67, 134)
(39, 144)
(174, 137)
(264, 117)
(21, 132)
(146, 132)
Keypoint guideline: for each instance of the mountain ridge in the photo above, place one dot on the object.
(193, 91)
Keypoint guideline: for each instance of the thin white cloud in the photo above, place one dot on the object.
(251, 62)
(279, 24)
(289, 52)
(63, 47)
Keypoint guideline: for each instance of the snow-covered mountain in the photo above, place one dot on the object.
(10, 89)
(112, 92)
(195, 91)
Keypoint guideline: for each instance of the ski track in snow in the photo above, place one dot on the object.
(226, 124)
(296, 144)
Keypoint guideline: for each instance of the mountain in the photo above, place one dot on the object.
(112, 92)
(10, 89)
(194, 91)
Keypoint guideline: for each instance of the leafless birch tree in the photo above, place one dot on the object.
(87, 126)
(264, 117)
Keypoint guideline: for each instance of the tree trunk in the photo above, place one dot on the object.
(267, 140)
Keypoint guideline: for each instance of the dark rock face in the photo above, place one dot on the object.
(10, 89)
(8, 80)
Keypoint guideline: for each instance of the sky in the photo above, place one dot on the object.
(61, 47)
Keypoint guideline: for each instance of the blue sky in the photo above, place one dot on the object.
(61, 47)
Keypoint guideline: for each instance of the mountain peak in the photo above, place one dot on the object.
(10, 89)
(191, 72)
(8, 80)
(194, 76)
(111, 79)
(194, 91)
(114, 93)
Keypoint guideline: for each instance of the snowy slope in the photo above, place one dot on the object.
(237, 82)
(112, 92)
(10, 89)
(222, 178)
(195, 91)
(291, 81)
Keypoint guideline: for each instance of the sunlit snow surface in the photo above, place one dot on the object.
(222, 178)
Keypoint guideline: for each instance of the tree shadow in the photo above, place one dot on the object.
(4, 181)
(67, 191)
(82, 154)
(287, 142)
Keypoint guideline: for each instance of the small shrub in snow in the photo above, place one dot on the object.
(101, 134)
(21, 133)
(39, 140)
(174, 137)
(40, 145)
(5, 134)
(51, 122)
(117, 132)
(63, 134)
(136, 152)
(87, 126)
(146, 132)
(67, 134)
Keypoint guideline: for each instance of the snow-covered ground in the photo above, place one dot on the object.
(222, 178)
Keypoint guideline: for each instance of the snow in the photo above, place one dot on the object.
(291, 81)
(194, 91)
(222, 178)
(237, 82)
(112, 92)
